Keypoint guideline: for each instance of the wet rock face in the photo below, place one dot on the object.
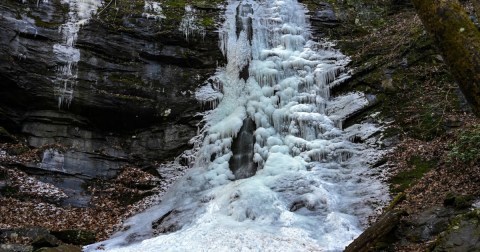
(444, 228)
(125, 79)
(325, 15)
(133, 101)
(167, 223)
(150, 79)
(323, 18)
(241, 164)
(428, 224)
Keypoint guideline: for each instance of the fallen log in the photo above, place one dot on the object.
(378, 230)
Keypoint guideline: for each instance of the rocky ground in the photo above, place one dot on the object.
(32, 210)
(434, 165)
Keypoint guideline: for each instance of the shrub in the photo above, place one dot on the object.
(466, 149)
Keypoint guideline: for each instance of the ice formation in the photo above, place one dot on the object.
(79, 12)
(189, 24)
(153, 10)
(312, 190)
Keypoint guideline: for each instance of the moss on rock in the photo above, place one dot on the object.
(405, 179)
(463, 234)
(458, 201)
(74, 236)
(123, 13)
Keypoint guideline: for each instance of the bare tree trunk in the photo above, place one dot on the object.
(459, 42)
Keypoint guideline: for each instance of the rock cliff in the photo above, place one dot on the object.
(133, 97)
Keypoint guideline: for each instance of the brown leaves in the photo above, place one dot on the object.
(102, 218)
(431, 189)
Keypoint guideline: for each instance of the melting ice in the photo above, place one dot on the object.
(79, 12)
(311, 188)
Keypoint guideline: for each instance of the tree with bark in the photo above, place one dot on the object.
(458, 39)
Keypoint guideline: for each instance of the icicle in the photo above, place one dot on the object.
(301, 195)
(153, 10)
(80, 11)
(190, 24)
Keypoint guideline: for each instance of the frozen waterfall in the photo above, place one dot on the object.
(308, 186)
(79, 12)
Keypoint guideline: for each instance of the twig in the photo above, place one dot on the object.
(107, 6)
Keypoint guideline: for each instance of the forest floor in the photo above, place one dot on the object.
(26, 202)
(30, 208)
(435, 165)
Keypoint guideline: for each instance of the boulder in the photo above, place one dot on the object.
(76, 237)
(462, 234)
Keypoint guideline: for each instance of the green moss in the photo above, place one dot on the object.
(429, 85)
(458, 201)
(207, 22)
(211, 4)
(405, 179)
(350, 47)
(457, 220)
(175, 3)
(452, 29)
(399, 198)
(126, 13)
(369, 13)
(474, 215)
(116, 13)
